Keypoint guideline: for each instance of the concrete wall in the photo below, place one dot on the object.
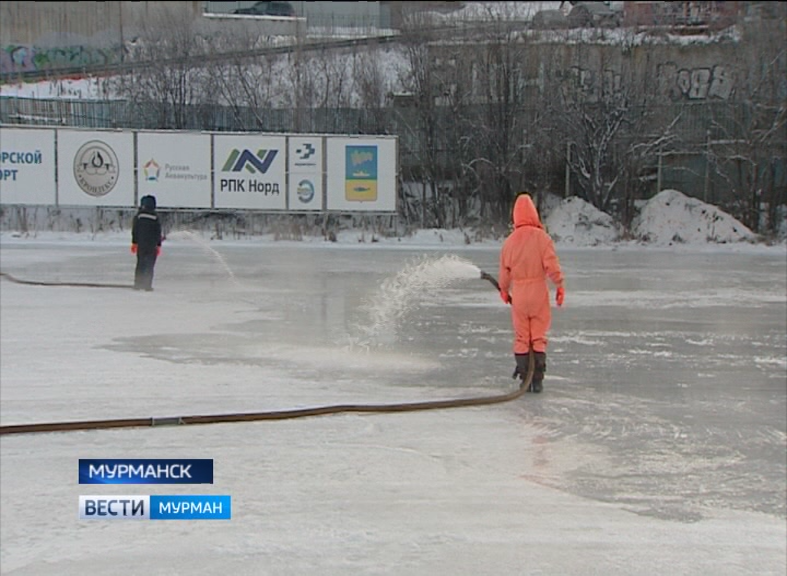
(94, 24)
(676, 72)
(43, 36)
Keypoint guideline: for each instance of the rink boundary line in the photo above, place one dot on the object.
(271, 415)
(72, 284)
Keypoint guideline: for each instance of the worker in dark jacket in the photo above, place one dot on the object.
(145, 242)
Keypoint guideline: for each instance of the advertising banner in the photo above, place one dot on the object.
(250, 172)
(95, 168)
(361, 174)
(306, 167)
(27, 166)
(175, 168)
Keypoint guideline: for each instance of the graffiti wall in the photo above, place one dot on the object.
(16, 58)
(695, 83)
(676, 82)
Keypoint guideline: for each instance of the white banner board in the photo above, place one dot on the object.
(306, 167)
(249, 172)
(361, 174)
(269, 172)
(27, 166)
(95, 168)
(175, 168)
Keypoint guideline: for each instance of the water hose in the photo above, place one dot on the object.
(73, 284)
(267, 415)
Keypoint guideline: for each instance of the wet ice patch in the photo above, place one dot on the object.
(659, 300)
(780, 362)
(350, 357)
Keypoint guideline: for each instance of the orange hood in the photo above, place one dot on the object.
(525, 213)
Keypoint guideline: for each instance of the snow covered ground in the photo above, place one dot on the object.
(657, 447)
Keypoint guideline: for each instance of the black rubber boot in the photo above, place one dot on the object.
(540, 370)
(522, 361)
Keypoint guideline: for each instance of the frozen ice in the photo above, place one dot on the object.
(657, 446)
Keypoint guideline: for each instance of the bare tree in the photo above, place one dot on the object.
(248, 86)
(334, 74)
(421, 122)
(501, 81)
(748, 146)
(649, 133)
(170, 79)
(371, 87)
(591, 122)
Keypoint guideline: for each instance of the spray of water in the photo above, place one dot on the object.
(403, 292)
(208, 250)
(396, 296)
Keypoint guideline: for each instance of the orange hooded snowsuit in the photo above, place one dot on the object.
(526, 260)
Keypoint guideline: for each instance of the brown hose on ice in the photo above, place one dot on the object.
(270, 415)
(73, 284)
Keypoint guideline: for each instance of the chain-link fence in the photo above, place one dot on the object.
(714, 155)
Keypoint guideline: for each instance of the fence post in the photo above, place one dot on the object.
(567, 188)
(706, 187)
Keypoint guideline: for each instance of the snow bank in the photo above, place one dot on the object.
(672, 217)
(574, 221)
(781, 227)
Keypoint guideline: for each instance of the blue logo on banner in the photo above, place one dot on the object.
(180, 507)
(145, 471)
(305, 191)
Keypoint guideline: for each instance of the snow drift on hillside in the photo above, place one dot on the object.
(574, 221)
(672, 217)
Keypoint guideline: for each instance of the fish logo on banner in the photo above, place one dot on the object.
(360, 183)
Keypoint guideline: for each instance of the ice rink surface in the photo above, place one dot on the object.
(659, 445)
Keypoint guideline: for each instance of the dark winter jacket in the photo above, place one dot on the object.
(146, 229)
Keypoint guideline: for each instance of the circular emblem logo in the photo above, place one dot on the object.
(305, 191)
(96, 168)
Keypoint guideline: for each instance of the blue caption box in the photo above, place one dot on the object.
(190, 507)
(145, 471)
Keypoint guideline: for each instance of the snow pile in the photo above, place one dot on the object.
(672, 217)
(781, 228)
(437, 236)
(574, 221)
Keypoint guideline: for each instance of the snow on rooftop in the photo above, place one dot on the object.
(481, 11)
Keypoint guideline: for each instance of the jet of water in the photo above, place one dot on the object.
(209, 250)
(402, 292)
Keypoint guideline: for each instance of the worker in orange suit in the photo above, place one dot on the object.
(527, 259)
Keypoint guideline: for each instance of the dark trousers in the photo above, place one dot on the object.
(143, 275)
